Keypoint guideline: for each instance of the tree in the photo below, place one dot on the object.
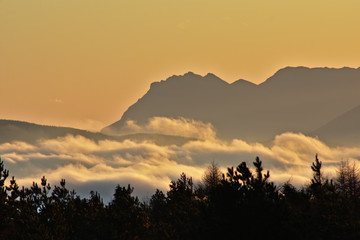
(4, 174)
(316, 185)
(160, 227)
(316, 167)
(157, 206)
(183, 209)
(245, 174)
(348, 180)
(127, 215)
(211, 178)
(6, 210)
(260, 183)
(245, 200)
(348, 188)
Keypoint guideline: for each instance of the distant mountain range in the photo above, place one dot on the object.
(29, 132)
(343, 130)
(314, 101)
(11, 131)
(322, 102)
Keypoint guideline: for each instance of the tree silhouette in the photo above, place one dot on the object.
(212, 177)
(183, 209)
(126, 215)
(316, 167)
(244, 204)
(160, 227)
(6, 210)
(348, 180)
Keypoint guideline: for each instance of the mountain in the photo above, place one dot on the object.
(343, 130)
(295, 99)
(11, 131)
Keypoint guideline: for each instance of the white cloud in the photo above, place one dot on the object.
(179, 127)
(89, 165)
(16, 146)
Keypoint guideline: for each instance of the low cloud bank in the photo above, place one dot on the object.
(100, 166)
(173, 126)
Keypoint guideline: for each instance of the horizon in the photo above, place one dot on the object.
(83, 64)
(77, 63)
(98, 128)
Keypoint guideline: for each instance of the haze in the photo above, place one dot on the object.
(83, 63)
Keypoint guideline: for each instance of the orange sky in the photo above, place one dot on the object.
(82, 63)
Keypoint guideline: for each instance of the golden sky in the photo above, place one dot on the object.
(82, 63)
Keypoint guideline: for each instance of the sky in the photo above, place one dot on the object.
(82, 63)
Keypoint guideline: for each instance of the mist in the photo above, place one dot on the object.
(87, 164)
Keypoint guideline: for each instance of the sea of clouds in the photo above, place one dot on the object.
(89, 165)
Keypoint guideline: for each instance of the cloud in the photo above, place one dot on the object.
(100, 165)
(16, 146)
(170, 126)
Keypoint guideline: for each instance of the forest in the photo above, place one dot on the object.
(241, 203)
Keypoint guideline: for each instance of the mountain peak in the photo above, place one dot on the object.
(211, 75)
(304, 76)
(190, 74)
(292, 69)
(190, 78)
(293, 99)
(242, 82)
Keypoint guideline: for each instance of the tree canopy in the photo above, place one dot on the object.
(240, 203)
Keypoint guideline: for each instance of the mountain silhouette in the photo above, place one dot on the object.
(12, 130)
(343, 130)
(31, 133)
(297, 99)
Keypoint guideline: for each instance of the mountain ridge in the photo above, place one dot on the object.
(14, 130)
(343, 130)
(293, 99)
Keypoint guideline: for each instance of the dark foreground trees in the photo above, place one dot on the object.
(239, 204)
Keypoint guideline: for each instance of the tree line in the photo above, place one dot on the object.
(241, 203)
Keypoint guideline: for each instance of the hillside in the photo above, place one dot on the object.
(343, 130)
(29, 132)
(11, 130)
